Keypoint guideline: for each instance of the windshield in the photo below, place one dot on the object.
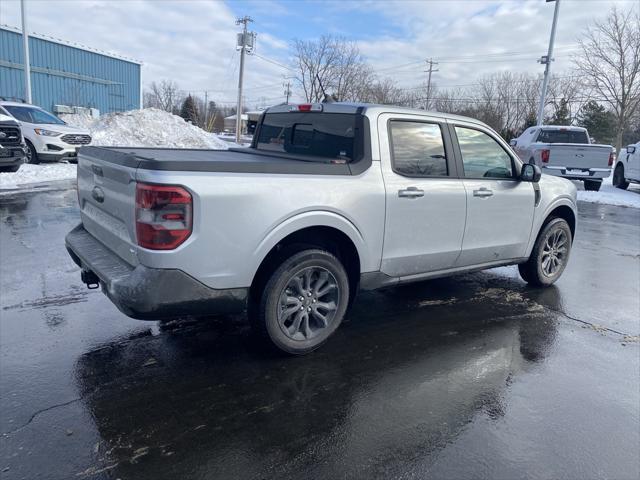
(563, 136)
(333, 136)
(33, 115)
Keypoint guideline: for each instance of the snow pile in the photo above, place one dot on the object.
(149, 127)
(30, 174)
(610, 195)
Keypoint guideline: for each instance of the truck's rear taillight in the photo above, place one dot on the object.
(611, 159)
(164, 215)
(544, 156)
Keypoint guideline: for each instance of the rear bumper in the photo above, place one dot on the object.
(578, 173)
(148, 293)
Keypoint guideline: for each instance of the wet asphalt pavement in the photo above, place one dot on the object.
(476, 376)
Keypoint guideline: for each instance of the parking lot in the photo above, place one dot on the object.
(476, 376)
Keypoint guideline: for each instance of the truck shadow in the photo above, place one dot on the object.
(408, 371)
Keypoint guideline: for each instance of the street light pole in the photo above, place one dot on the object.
(25, 46)
(547, 62)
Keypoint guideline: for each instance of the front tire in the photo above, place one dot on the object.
(303, 302)
(549, 256)
(32, 155)
(592, 185)
(618, 178)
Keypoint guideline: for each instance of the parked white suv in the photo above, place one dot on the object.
(627, 167)
(48, 138)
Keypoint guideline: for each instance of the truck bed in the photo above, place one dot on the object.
(240, 160)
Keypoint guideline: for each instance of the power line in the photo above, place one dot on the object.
(272, 61)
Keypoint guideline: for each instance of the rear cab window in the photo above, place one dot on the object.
(562, 136)
(313, 136)
(417, 149)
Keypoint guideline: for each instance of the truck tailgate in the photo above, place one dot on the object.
(106, 194)
(572, 155)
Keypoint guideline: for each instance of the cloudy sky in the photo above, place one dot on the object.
(193, 41)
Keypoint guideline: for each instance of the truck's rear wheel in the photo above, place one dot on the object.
(592, 185)
(303, 302)
(618, 178)
(550, 254)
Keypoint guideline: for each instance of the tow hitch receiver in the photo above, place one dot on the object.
(90, 278)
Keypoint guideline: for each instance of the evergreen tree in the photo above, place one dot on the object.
(598, 121)
(530, 121)
(561, 115)
(189, 111)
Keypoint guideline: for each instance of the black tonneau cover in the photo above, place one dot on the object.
(240, 160)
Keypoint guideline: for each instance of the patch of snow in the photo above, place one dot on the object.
(149, 127)
(610, 195)
(30, 174)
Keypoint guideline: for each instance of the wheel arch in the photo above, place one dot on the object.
(326, 230)
(564, 209)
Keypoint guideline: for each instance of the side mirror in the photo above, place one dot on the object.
(530, 173)
(513, 142)
(631, 149)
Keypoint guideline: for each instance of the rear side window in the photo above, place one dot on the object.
(563, 136)
(417, 149)
(336, 137)
(482, 156)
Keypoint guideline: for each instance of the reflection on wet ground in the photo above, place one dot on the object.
(473, 376)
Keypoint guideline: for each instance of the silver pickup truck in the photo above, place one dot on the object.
(329, 199)
(565, 152)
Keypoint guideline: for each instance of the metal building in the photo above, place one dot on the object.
(67, 75)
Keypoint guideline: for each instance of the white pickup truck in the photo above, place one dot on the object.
(627, 167)
(565, 152)
(330, 198)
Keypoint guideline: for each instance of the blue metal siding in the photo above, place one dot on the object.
(66, 75)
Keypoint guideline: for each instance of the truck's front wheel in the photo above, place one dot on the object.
(303, 301)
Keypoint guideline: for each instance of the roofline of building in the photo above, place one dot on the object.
(67, 43)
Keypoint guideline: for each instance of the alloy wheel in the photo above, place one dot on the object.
(308, 303)
(554, 252)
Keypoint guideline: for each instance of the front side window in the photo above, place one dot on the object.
(417, 149)
(482, 156)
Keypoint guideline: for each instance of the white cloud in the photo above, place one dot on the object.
(192, 43)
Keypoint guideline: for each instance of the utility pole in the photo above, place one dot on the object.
(25, 47)
(546, 61)
(287, 91)
(206, 107)
(243, 43)
(431, 63)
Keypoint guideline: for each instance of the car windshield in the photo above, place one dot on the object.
(331, 136)
(33, 115)
(563, 136)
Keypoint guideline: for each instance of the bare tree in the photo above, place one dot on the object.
(610, 62)
(331, 65)
(166, 96)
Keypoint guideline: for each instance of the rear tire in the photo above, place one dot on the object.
(11, 169)
(303, 302)
(32, 155)
(618, 178)
(592, 185)
(550, 254)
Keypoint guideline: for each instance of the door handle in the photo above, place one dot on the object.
(482, 192)
(411, 192)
